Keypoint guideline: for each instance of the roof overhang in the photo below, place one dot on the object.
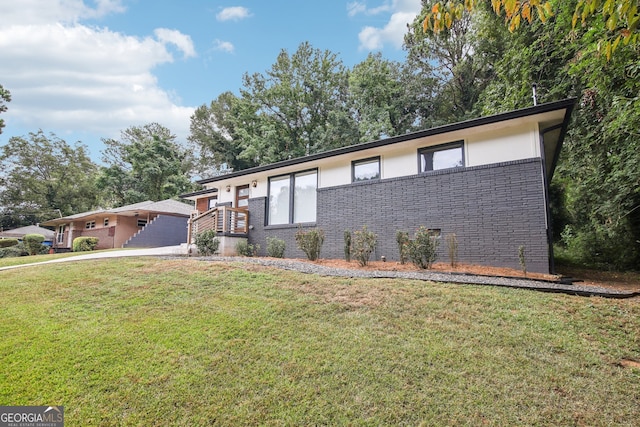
(553, 125)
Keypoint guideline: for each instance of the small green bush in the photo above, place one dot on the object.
(423, 248)
(522, 259)
(207, 242)
(84, 244)
(244, 248)
(452, 249)
(310, 242)
(14, 251)
(347, 245)
(402, 238)
(33, 243)
(275, 247)
(364, 243)
(7, 243)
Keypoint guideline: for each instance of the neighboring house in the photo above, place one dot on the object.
(19, 233)
(485, 180)
(140, 225)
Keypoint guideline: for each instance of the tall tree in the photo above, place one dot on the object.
(458, 57)
(42, 177)
(145, 164)
(300, 105)
(5, 96)
(215, 137)
(389, 98)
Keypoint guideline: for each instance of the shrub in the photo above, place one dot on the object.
(83, 244)
(423, 248)
(452, 249)
(7, 243)
(275, 247)
(33, 243)
(207, 242)
(243, 248)
(402, 238)
(522, 259)
(364, 243)
(347, 245)
(14, 251)
(310, 242)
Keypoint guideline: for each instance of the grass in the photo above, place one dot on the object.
(22, 260)
(144, 342)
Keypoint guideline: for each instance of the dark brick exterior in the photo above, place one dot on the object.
(165, 230)
(492, 209)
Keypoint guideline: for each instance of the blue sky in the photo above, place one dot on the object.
(86, 70)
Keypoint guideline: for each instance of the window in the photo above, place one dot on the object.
(364, 170)
(441, 157)
(106, 222)
(292, 207)
(211, 203)
(89, 225)
(242, 196)
(61, 234)
(142, 222)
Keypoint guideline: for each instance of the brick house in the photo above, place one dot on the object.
(486, 180)
(144, 224)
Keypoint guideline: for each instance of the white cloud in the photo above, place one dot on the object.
(402, 12)
(182, 41)
(235, 13)
(223, 46)
(70, 78)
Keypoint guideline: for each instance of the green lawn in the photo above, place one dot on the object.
(146, 342)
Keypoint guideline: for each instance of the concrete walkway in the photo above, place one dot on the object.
(166, 251)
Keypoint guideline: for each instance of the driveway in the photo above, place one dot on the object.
(166, 250)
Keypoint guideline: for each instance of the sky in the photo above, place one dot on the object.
(85, 70)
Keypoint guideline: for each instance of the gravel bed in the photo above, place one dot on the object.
(459, 278)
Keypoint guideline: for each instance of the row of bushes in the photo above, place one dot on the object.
(421, 250)
(32, 244)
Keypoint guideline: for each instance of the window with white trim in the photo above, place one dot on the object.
(441, 157)
(292, 198)
(89, 225)
(105, 223)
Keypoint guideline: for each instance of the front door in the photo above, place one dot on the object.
(242, 196)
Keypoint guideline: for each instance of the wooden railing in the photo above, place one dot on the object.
(223, 219)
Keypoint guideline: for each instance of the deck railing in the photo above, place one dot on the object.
(222, 219)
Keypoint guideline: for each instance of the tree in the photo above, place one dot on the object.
(145, 164)
(215, 137)
(5, 96)
(388, 98)
(299, 107)
(459, 57)
(43, 177)
(621, 17)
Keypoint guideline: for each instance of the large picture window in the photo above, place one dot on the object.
(441, 157)
(364, 170)
(292, 198)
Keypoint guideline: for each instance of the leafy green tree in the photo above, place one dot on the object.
(145, 164)
(388, 98)
(299, 107)
(42, 177)
(459, 57)
(5, 96)
(215, 136)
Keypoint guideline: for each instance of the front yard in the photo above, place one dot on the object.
(148, 342)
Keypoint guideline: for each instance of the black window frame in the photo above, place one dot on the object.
(440, 147)
(292, 183)
(364, 161)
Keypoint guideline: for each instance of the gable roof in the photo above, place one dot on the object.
(19, 233)
(555, 133)
(169, 206)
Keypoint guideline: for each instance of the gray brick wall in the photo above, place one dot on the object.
(492, 209)
(165, 230)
